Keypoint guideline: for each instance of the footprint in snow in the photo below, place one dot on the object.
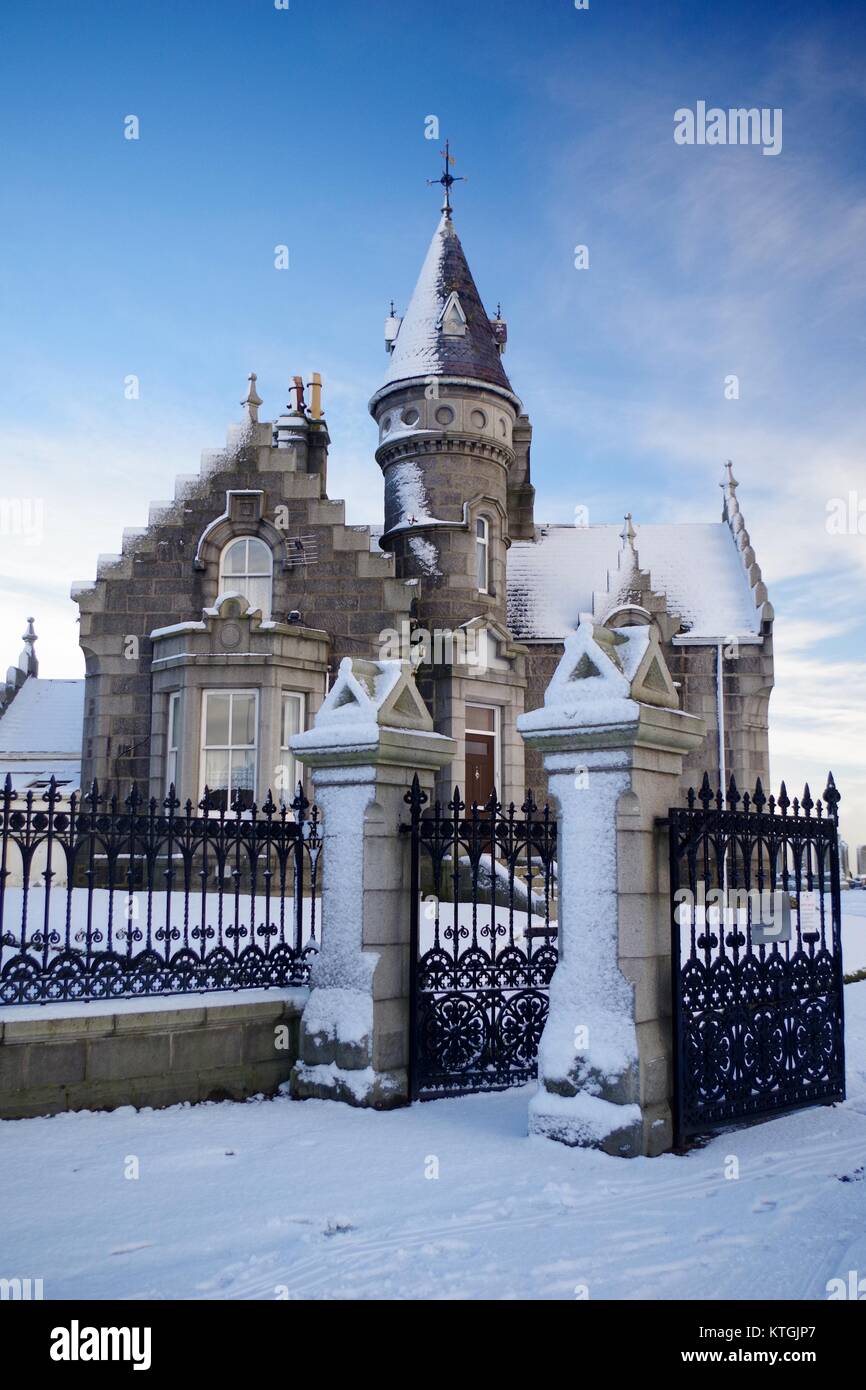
(337, 1228)
(764, 1204)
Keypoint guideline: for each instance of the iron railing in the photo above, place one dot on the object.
(106, 898)
(483, 941)
(756, 955)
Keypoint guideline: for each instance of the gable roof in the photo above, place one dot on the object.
(567, 571)
(423, 347)
(43, 721)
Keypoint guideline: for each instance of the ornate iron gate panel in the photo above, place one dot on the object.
(483, 934)
(756, 956)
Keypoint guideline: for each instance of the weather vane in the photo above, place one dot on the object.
(447, 178)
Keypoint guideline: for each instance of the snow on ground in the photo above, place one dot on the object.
(854, 930)
(316, 1200)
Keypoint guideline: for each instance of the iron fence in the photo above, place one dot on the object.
(107, 898)
(756, 955)
(483, 941)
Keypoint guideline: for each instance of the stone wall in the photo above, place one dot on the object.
(95, 1057)
(156, 582)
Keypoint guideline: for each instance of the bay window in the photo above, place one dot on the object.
(229, 746)
(172, 753)
(292, 722)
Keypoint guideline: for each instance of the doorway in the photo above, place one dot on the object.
(482, 753)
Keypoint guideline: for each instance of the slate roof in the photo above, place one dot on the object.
(697, 567)
(422, 348)
(44, 720)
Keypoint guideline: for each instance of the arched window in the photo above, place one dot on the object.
(247, 567)
(482, 554)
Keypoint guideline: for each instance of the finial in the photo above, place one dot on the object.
(499, 311)
(447, 178)
(252, 400)
(628, 533)
(730, 483)
(27, 660)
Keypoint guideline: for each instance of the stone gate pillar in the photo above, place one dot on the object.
(371, 735)
(613, 740)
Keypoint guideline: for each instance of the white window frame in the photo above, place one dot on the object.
(482, 552)
(172, 748)
(205, 748)
(486, 733)
(287, 757)
(234, 582)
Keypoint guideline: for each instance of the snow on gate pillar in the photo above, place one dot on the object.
(370, 737)
(613, 740)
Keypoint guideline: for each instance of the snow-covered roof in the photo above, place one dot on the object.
(43, 721)
(552, 580)
(424, 345)
(28, 775)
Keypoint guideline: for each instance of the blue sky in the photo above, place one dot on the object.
(306, 127)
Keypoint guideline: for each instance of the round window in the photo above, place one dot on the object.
(386, 424)
(410, 416)
(444, 415)
(479, 419)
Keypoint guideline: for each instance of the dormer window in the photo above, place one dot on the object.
(482, 554)
(452, 318)
(247, 567)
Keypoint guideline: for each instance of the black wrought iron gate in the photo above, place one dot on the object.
(483, 933)
(756, 955)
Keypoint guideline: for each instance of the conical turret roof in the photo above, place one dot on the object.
(445, 301)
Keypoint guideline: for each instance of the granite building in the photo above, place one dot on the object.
(215, 633)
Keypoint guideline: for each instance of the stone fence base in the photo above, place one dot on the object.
(153, 1052)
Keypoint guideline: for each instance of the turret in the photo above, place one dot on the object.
(447, 414)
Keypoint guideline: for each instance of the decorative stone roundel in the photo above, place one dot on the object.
(230, 635)
(479, 419)
(444, 415)
(410, 416)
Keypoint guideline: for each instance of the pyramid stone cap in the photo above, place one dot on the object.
(383, 693)
(603, 677)
(373, 716)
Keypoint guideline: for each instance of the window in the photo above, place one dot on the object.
(172, 745)
(292, 723)
(247, 567)
(229, 721)
(482, 554)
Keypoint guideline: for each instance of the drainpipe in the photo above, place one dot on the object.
(720, 717)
